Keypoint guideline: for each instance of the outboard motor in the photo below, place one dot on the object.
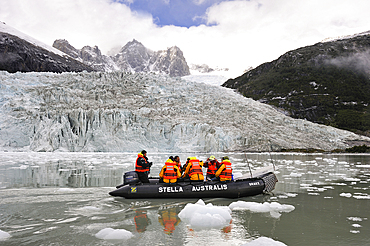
(130, 178)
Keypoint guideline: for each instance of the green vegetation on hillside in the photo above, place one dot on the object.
(326, 83)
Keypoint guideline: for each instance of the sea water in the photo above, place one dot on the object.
(62, 199)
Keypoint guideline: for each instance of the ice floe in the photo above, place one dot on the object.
(114, 234)
(264, 241)
(4, 235)
(274, 208)
(356, 219)
(202, 216)
(345, 195)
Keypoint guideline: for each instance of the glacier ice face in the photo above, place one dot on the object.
(129, 112)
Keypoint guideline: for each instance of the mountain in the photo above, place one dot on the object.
(327, 83)
(21, 53)
(133, 57)
(88, 55)
(128, 112)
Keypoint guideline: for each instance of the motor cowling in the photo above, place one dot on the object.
(130, 178)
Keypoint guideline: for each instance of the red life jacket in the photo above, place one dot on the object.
(139, 168)
(170, 172)
(212, 167)
(195, 167)
(178, 164)
(228, 171)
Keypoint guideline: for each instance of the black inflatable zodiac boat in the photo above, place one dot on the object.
(132, 188)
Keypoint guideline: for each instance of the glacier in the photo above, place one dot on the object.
(125, 112)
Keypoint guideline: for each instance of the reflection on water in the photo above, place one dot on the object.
(62, 198)
(168, 219)
(141, 220)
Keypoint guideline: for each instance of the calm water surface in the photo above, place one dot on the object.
(62, 199)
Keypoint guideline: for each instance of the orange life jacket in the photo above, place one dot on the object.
(228, 171)
(195, 167)
(139, 168)
(212, 167)
(170, 172)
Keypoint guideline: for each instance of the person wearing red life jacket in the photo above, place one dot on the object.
(194, 170)
(170, 172)
(142, 167)
(177, 160)
(212, 165)
(224, 172)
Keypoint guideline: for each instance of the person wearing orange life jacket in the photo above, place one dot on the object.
(194, 170)
(224, 172)
(212, 165)
(170, 172)
(142, 167)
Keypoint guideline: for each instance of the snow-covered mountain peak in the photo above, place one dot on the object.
(331, 39)
(10, 30)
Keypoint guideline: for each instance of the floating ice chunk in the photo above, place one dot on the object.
(275, 209)
(21, 167)
(264, 241)
(352, 179)
(357, 225)
(4, 235)
(354, 219)
(362, 197)
(114, 234)
(354, 231)
(65, 190)
(365, 166)
(202, 216)
(287, 195)
(291, 194)
(345, 195)
(314, 194)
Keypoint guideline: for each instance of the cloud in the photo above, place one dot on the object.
(359, 62)
(199, 2)
(236, 34)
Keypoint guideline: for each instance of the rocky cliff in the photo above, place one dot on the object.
(19, 55)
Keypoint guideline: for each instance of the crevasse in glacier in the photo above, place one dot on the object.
(129, 112)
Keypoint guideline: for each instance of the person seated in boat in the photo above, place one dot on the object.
(212, 165)
(177, 160)
(224, 172)
(193, 171)
(183, 168)
(170, 172)
(142, 166)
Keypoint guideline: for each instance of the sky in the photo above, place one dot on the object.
(234, 34)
